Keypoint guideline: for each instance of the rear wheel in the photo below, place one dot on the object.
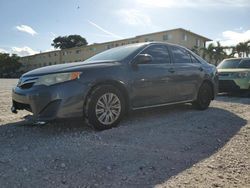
(204, 97)
(105, 107)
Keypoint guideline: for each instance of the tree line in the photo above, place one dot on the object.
(9, 66)
(216, 53)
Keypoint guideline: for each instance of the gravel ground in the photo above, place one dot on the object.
(173, 146)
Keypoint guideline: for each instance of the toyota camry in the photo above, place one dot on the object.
(106, 86)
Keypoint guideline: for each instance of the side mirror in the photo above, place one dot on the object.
(143, 59)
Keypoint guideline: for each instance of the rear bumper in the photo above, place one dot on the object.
(51, 102)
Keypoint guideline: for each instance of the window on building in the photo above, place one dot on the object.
(184, 36)
(198, 42)
(159, 53)
(180, 55)
(55, 54)
(78, 51)
(167, 37)
(94, 49)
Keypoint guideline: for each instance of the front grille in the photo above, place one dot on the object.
(21, 106)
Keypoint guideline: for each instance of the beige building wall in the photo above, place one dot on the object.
(177, 36)
(41, 60)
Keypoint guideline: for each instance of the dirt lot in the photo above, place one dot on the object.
(165, 147)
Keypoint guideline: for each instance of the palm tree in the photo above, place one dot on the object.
(219, 53)
(207, 52)
(231, 51)
(240, 49)
(248, 48)
(243, 49)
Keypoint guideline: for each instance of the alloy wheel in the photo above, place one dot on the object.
(108, 108)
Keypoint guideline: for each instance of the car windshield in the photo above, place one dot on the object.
(115, 54)
(229, 64)
(245, 64)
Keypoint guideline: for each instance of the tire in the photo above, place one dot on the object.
(204, 97)
(105, 107)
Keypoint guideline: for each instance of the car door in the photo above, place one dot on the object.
(188, 73)
(152, 82)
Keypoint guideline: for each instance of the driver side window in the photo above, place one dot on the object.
(159, 54)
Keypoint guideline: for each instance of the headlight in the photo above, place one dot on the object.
(52, 79)
(242, 74)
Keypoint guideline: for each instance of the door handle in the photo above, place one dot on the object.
(171, 70)
(200, 69)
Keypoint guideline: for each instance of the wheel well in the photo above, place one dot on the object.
(211, 85)
(115, 84)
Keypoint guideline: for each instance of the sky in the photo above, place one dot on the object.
(29, 26)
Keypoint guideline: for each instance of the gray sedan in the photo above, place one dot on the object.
(106, 86)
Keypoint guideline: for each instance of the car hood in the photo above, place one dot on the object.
(233, 70)
(68, 67)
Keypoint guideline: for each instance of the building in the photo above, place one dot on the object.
(177, 36)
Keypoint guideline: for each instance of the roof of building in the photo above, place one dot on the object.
(131, 38)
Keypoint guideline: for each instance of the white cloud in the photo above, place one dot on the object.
(134, 17)
(26, 29)
(231, 38)
(3, 50)
(23, 51)
(104, 30)
(193, 3)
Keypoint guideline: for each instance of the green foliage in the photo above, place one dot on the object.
(216, 53)
(9, 65)
(243, 49)
(70, 41)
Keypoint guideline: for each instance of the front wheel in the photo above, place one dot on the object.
(105, 107)
(204, 97)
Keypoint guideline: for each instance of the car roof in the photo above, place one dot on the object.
(162, 43)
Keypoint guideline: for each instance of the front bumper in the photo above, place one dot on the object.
(47, 103)
(227, 85)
